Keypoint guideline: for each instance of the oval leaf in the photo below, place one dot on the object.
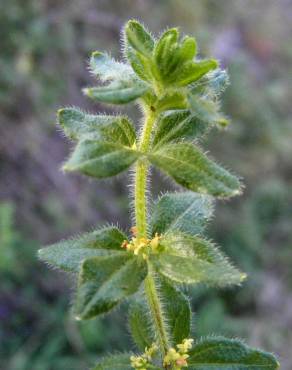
(177, 311)
(186, 212)
(105, 281)
(229, 354)
(193, 71)
(80, 125)
(188, 49)
(107, 69)
(189, 167)
(100, 159)
(119, 362)
(139, 38)
(69, 254)
(190, 259)
(140, 64)
(178, 124)
(171, 100)
(140, 324)
(166, 51)
(116, 93)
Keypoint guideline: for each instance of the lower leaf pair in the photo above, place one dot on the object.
(209, 354)
(109, 273)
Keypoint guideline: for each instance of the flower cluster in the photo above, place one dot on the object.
(177, 358)
(142, 246)
(142, 362)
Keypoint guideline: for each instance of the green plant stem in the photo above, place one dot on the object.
(142, 167)
(140, 201)
(141, 225)
(156, 312)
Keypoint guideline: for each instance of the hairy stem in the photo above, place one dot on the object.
(141, 179)
(156, 313)
(141, 198)
(141, 225)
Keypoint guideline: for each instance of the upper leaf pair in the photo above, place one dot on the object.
(167, 61)
(107, 146)
(157, 65)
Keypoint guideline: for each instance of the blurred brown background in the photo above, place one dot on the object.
(44, 48)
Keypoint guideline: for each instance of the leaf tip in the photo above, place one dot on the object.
(67, 168)
(243, 277)
(87, 91)
(96, 54)
(40, 253)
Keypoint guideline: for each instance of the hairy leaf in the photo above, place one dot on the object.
(124, 85)
(140, 324)
(193, 71)
(69, 254)
(189, 167)
(206, 110)
(107, 69)
(229, 354)
(165, 51)
(190, 259)
(140, 64)
(116, 93)
(213, 83)
(100, 158)
(139, 38)
(105, 281)
(188, 49)
(80, 125)
(118, 362)
(178, 124)
(171, 100)
(187, 212)
(176, 309)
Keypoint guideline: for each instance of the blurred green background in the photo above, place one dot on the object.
(44, 48)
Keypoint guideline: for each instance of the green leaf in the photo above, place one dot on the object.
(105, 281)
(213, 83)
(229, 354)
(193, 71)
(190, 259)
(116, 93)
(69, 254)
(140, 64)
(100, 158)
(124, 85)
(165, 51)
(188, 49)
(187, 212)
(178, 124)
(117, 362)
(139, 38)
(171, 100)
(189, 167)
(107, 69)
(140, 324)
(177, 311)
(80, 125)
(206, 110)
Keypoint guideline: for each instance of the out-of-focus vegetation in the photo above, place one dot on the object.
(44, 45)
